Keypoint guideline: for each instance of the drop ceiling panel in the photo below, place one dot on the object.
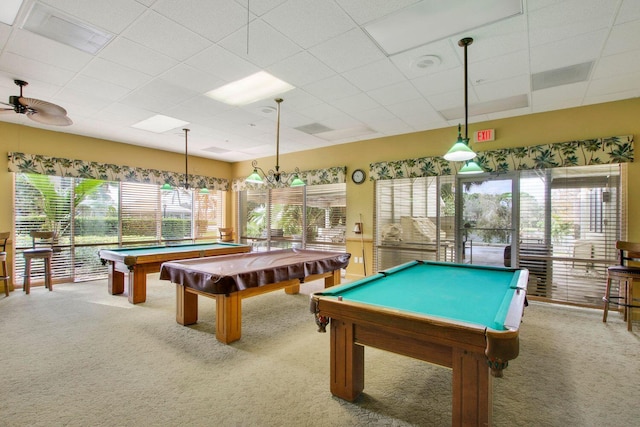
(113, 15)
(133, 55)
(111, 72)
(309, 22)
(300, 69)
(165, 55)
(347, 51)
(374, 76)
(163, 35)
(266, 45)
(28, 44)
(213, 20)
(221, 63)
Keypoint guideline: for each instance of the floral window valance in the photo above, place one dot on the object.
(333, 175)
(57, 166)
(616, 149)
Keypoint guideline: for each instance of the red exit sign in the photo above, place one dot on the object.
(485, 135)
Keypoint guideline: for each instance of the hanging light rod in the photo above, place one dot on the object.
(461, 151)
(275, 177)
(185, 184)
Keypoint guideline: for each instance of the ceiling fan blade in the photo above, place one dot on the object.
(43, 106)
(49, 119)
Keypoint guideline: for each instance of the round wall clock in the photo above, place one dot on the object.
(358, 176)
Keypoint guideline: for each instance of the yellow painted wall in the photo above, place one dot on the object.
(601, 120)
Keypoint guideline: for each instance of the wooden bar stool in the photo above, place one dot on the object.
(42, 248)
(625, 274)
(226, 234)
(4, 236)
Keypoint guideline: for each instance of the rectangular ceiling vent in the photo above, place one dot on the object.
(561, 76)
(54, 25)
(313, 128)
(504, 104)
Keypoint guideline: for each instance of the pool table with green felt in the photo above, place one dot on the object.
(464, 317)
(137, 262)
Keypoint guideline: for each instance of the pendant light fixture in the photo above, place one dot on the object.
(275, 177)
(461, 151)
(185, 184)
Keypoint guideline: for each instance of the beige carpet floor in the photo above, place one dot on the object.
(78, 356)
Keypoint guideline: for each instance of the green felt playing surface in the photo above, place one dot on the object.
(149, 250)
(473, 294)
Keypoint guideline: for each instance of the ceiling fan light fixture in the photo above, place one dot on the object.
(37, 110)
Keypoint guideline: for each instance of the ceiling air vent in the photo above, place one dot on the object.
(56, 26)
(561, 76)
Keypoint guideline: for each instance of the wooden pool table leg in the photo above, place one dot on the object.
(472, 391)
(186, 306)
(228, 317)
(116, 280)
(137, 285)
(333, 279)
(347, 362)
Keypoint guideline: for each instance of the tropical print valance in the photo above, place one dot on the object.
(57, 166)
(616, 149)
(333, 175)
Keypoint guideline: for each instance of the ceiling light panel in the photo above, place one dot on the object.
(56, 26)
(260, 85)
(159, 123)
(431, 20)
(9, 10)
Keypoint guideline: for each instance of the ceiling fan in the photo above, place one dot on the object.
(36, 109)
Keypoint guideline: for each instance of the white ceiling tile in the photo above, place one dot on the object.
(28, 44)
(440, 55)
(212, 19)
(223, 64)
(488, 91)
(191, 78)
(550, 24)
(308, 43)
(98, 88)
(309, 22)
(374, 115)
(629, 11)
(414, 107)
(300, 69)
(363, 11)
(163, 35)
(613, 85)
(334, 87)
(347, 51)
(613, 65)
(117, 74)
(374, 76)
(26, 68)
(499, 68)
(442, 82)
(133, 55)
(560, 95)
(113, 15)
(571, 51)
(360, 101)
(266, 46)
(620, 38)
